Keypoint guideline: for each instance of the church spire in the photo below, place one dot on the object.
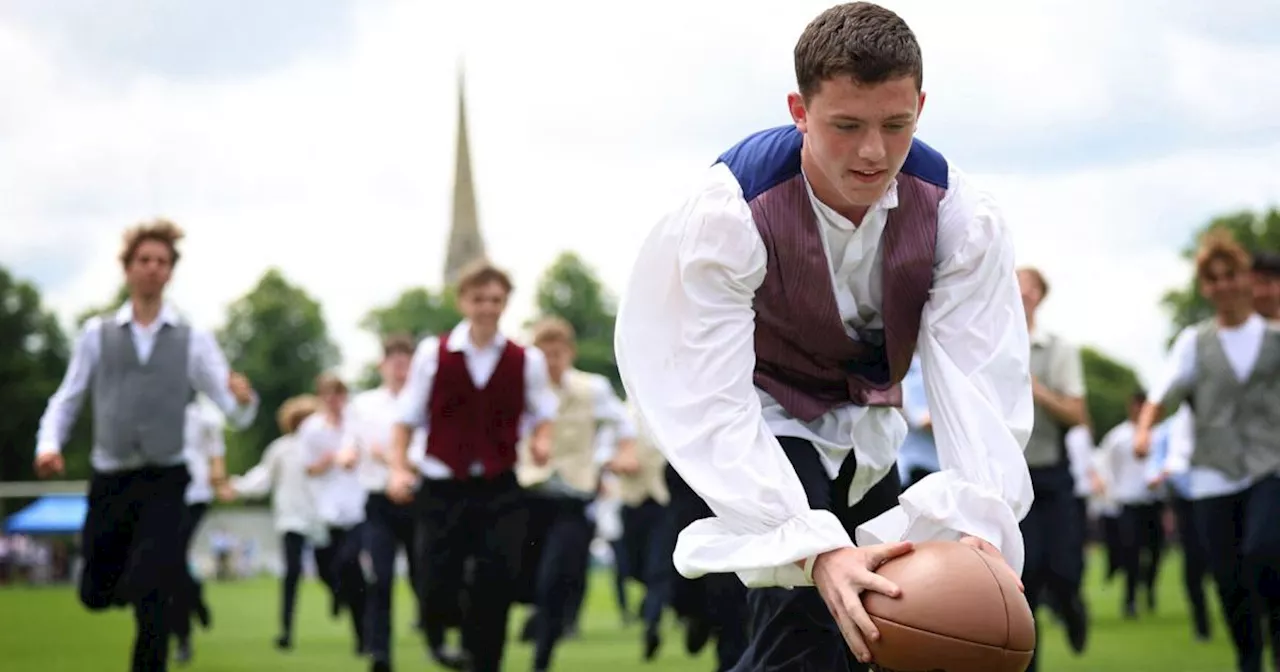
(465, 242)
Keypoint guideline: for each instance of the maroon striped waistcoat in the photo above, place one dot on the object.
(805, 358)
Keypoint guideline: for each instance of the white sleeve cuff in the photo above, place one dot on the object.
(944, 507)
(47, 448)
(762, 560)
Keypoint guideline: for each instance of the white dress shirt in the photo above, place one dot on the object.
(1079, 440)
(540, 401)
(283, 473)
(367, 428)
(203, 441)
(1128, 471)
(337, 493)
(206, 365)
(1242, 345)
(686, 353)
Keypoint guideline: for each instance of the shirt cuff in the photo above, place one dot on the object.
(767, 559)
(47, 448)
(944, 507)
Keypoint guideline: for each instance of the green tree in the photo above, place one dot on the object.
(1110, 384)
(1254, 230)
(569, 289)
(33, 358)
(419, 312)
(276, 336)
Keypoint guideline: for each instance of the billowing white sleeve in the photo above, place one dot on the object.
(975, 354)
(686, 352)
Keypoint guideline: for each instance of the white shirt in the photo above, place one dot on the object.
(1128, 472)
(540, 401)
(337, 493)
(206, 366)
(686, 353)
(1241, 344)
(203, 441)
(1080, 448)
(283, 473)
(371, 417)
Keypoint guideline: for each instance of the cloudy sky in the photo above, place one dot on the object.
(317, 136)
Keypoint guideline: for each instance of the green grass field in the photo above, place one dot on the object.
(45, 630)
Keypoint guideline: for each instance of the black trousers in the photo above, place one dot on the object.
(562, 575)
(1243, 542)
(190, 596)
(293, 546)
(133, 552)
(1054, 556)
(647, 558)
(1195, 562)
(792, 630)
(388, 527)
(1111, 542)
(717, 602)
(340, 561)
(1142, 545)
(481, 519)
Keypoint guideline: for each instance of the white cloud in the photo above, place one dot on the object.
(586, 125)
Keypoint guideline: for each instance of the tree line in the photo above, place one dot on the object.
(276, 334)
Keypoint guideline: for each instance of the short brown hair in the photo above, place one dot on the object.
(397, 344)
(328, 383)
(860, 40)
(1038, 277)
(1218, 244)
(553, 330)
(294, 410)
(480, 273)
(159, 230)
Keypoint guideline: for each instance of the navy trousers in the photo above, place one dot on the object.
(792, 630)
(562, 575)
(1054, 564)
(1243, 544)
(388, 527)
(134, 553)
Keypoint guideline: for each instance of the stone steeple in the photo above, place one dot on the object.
(465, 242)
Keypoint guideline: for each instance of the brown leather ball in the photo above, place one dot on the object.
(959, 611)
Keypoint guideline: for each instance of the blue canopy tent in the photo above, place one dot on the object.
(51, 514)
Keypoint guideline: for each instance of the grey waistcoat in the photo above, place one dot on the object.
(1237, 423)
(1047, 444)
(139, 410)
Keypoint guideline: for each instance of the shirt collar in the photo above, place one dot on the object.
(460, 340)
(888, 201)
(1039, 337)
(168, 315)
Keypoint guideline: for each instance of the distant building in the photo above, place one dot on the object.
(466, 244)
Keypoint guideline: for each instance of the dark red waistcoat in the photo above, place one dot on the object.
(805, 359)
(470, 425)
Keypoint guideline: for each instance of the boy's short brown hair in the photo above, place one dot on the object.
(294, 410)
(159, 230)
(397, 344)
(859, 40)
(480, 273)
(553, 330)
(1219, 244)
(328, 383)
